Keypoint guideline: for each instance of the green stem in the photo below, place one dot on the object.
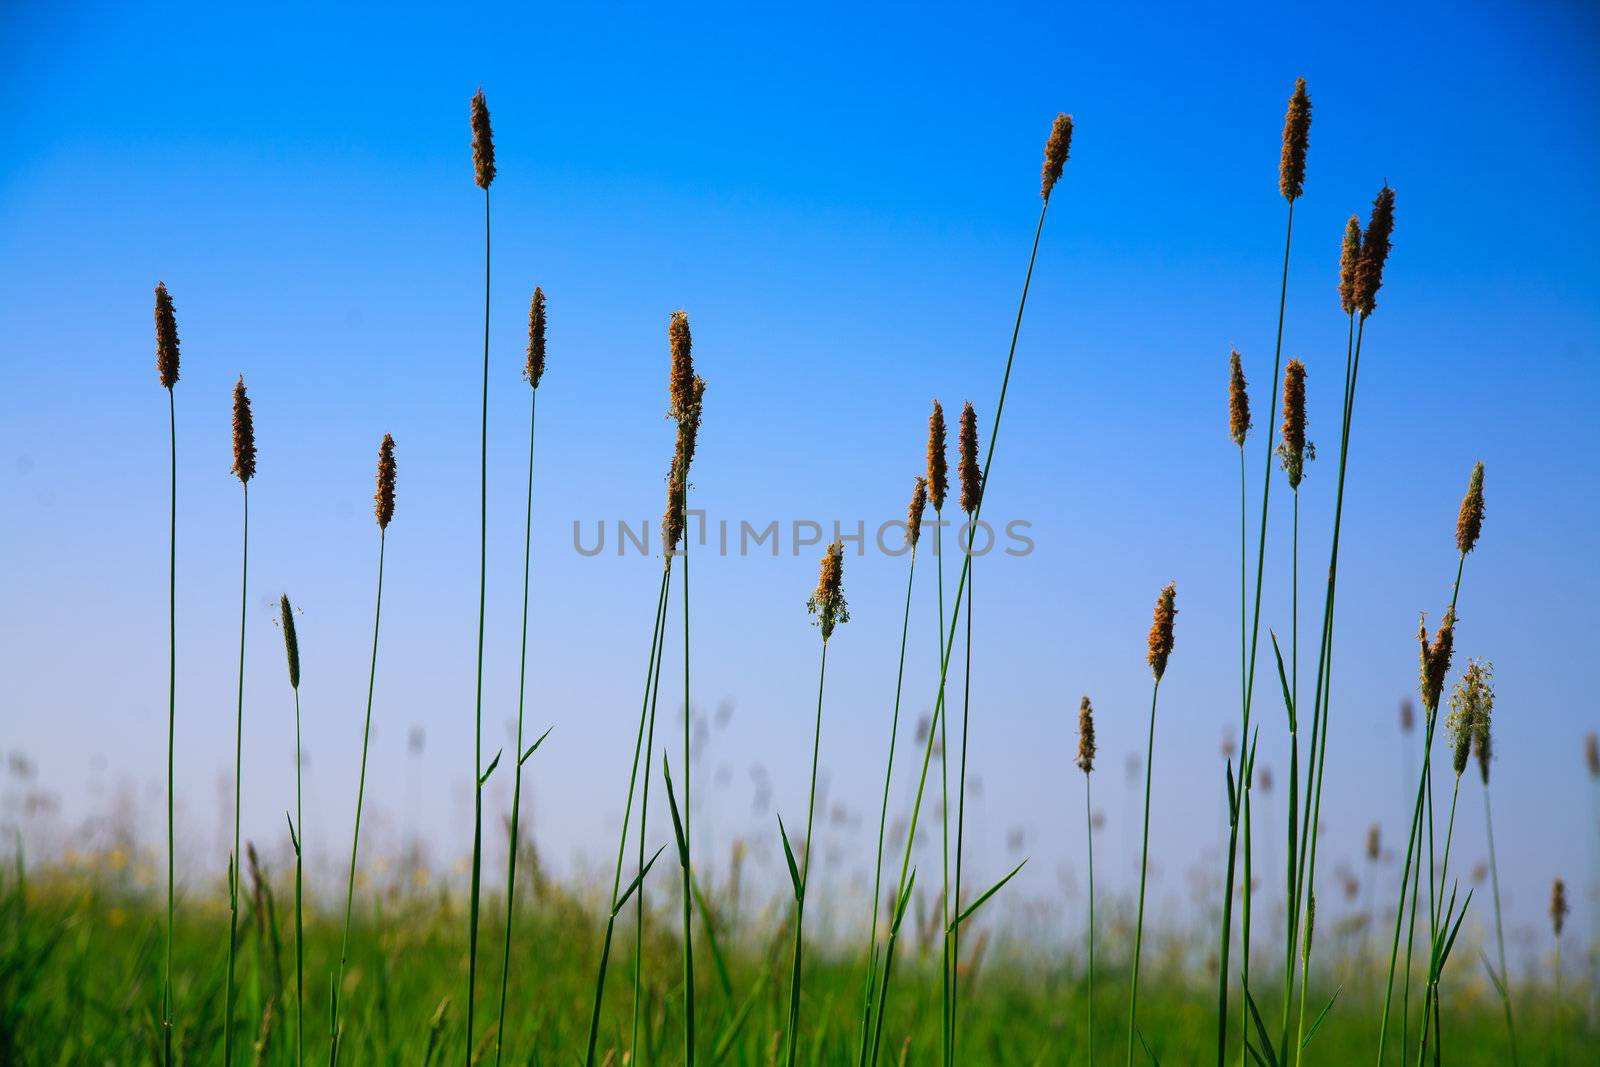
(1144, 856)
(805, 872)
(656, 634)
(1499, 929)
(299, 891)
(644, 820)
(172, 726)
(238, 770)
(1290, 888)
(949, 642)
(355, 836)
(477, 736)
(516, 789)
(1088, 820)
(944, 826)
(883, 814)
(961, 808)
(688, 887)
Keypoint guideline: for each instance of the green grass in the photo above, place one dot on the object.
(80, 983)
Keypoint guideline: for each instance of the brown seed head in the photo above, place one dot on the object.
(672, 518)
(1591, 754)
(244, 434)
(1436, 658)
(1296, 135)
(1350, 265)
(1161, 630)
(166, 338)
(1055, 153)
(1558, 906)
(914, 513)
(1238, 400)
(1375, 247)
(1374, 842)
(385, 494)
(938, 465)
(827, 603)
(680, 383)
(1085, 736)
(971, 474)
(1469, 523)
(534, 370)
(291, 643)
(482, 142)
(1293, 449)
(689, 426)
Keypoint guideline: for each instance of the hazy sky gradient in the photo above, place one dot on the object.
(843, 202)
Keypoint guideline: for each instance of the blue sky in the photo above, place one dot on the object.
(843, 202)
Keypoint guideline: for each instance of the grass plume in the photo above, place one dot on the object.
(244, 467)
(291, 647)
(1159, 650)
(167, 368)
(1296, 137)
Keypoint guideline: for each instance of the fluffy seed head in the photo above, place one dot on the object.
(482, 142)
(680, 382)
(938, 465)
(672, 518)
(166, 338)
(1469, 523)
(1350, 265)
(1558, 906)
(971, 474)
(1591, 754)
(1374, 251)
(1293, 449)
(919, 505)
(1374, 842)
(291, 643)
(384, 497)
(1436, 657)
(1238, 400)
(1055, 153)
(1296, 135)
(1085, 736)
(827, 603)
(244, 434)
(1161, 630)
(1471, 707)
(534, 370)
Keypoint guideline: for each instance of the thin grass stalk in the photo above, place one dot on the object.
(644, 822)
(949, 642)
(172, 726)
(1291, 888)
(793, 1026)
(299, 898)
(355, 836)
(944, 821)
(516, 788)
(238, 770)
(656, 634)
(1249, 693)
(883, 816)
(1144, 855)
(1499, 929)
(688, 881)
(1431, 995)
(961, 813)
(1088, 1010)
(483, 579)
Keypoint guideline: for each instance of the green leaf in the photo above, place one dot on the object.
(638, 880)
(731, 1032)
(1147, 1050)
(293, 837)
(533, 747)
(677, 823)
(1321, 1016)
(991, 891)
(723, 978)
(1283, 680)
(794, 871)
(1233, 796)
(1499, 986)
(1450, 944)
(484, 777)
(1261, 1030)
(905, 900)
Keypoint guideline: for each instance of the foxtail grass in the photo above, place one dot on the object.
(1085, 763)
(1482, 744)
(291, 645)
(1558, 922)
(167, 369)
(971, 493)
(383, 510)
(483, 176)
(938, 487)
(829, 609)
(533, 373)
(244, 468)
(1056, 153)
(1161, 635)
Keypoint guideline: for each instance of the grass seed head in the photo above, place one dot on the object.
(1558, 906)
(384, 497)
(166, 337)
(1436, 657)
(1296, 136)
(1055, 153)
(1161, 630)
(1311, 923)
(1293, 450)
(914, 513)
(1469, 523)
(244, 434)
(971, 474)
(1471, 707)
(1375, 247)
(1350, 265)
(680, 383)
(1238, 400)
(938, 464)
(291, 642)
(1374, 842)
(482, 142)
(827, 603)
(1085, 736)
(534, 370)
(672, 518)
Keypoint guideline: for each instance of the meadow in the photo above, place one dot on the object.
(673, 960)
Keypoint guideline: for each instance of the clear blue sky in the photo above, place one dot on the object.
(843, 202)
